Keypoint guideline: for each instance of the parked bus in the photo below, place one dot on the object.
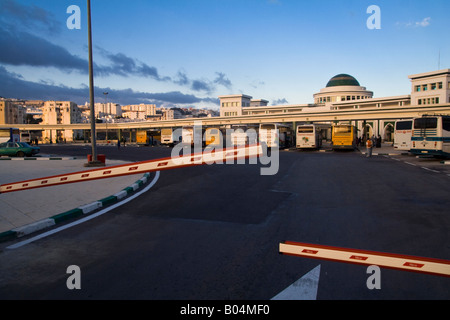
(276, 135)
(403, 134)
(147, 137)
(9, 134)
(190, 135)
(431, 136)
(170, 137)
(343, 136)
(243, 135)
(213, 137)
(309, 136)
(25, 136)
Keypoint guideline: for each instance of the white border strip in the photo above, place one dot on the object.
(95, 215)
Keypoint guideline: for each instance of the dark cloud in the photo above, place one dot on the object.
(23, 48)
(31, 17)
(223, 80)
(280, 102)
(13, 85)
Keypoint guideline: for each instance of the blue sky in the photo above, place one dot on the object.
(187, 53)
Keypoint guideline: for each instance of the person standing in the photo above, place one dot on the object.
(369, 146)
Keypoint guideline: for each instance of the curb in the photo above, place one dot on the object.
(72, 214)
(36, 158)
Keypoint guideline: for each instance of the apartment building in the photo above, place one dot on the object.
(11, 112)
(60, 112)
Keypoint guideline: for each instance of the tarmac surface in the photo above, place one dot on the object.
(28, 211)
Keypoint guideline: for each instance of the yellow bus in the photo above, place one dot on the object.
(344, 136)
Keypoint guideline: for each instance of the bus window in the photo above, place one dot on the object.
(403, 125)
(426, 123)
(305, 129)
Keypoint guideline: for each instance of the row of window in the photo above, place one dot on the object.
(428, 101)
(236, 104)
(230, 114)
(430, 86)
(343, 98)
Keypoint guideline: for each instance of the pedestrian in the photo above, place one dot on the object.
(369, 146)
(379, 141)
(118, 144)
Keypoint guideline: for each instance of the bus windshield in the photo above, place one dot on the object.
(403, 125)
(425, 123)
(267, 126)
(341, 130)
(305, 130)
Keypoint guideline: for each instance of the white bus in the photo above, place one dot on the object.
(309, 136)
(275, 135)
(170, 137)
(403, 134)
(431, 136)
(191, 135)
(242, 135)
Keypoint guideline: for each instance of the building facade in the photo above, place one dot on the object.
(60, 112)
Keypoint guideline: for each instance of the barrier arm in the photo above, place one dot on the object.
(215, 156)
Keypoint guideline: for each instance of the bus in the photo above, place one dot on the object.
(431, 136)
(309, 136)
(275, 135)
(213, 137)
(9, 135)
(243, 135)
(147, 137)
(403, 134)
(343, 136)
(191, 135)
(25, 136)
(170, 137)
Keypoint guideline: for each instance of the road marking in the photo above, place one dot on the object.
(95, 215)
(304, 288)
(412, 164)
(435, 171)
(394, 261)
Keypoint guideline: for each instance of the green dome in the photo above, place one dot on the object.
(342, 80)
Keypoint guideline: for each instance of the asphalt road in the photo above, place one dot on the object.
(212, 232)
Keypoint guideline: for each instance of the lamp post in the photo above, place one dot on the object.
(94, 161)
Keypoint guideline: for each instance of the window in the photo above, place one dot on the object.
(433, 86)
(419, 102)
(440, 85)
(446, 123)
(425, 87)
(417, 89)
(425, 123)
(437, 100)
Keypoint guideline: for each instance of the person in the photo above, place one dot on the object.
(379, 141)
(369, 146)
(118, 144)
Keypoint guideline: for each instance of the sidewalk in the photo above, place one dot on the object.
(27, 211)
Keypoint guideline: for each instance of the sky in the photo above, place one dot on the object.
(187, 53)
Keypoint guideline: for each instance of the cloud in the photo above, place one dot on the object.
(279, 102)
(30, 17)
(23, 48)
(13, 85)
(419, 24)
(222, 80)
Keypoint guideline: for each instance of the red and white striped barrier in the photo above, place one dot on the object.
(394, 261)
(215, 156)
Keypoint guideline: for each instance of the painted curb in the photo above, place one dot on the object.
(72, 214)
(36, 158)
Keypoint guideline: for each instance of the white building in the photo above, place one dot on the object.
(60, 112)
(431, 87)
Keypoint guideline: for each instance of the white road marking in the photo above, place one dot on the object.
(95, 215)
(304, 288)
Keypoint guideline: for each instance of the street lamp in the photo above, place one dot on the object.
(94, 161)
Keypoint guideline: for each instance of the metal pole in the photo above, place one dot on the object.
(91, 88)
